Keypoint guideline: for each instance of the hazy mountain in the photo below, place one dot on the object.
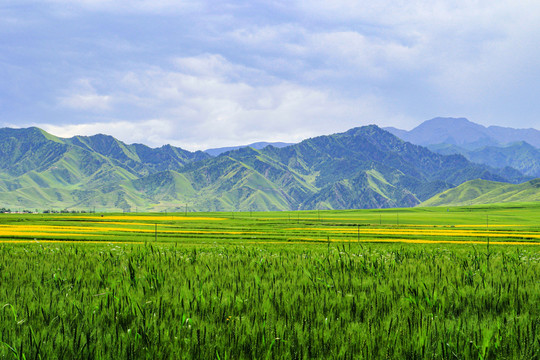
(487, 192)
(257, 146)
(494, 146)
(464, 133)
(364, 167)
(520, 156)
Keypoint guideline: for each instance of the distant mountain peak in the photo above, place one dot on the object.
(495, 146)
(445, 120)
(257, 146)
(465, 133)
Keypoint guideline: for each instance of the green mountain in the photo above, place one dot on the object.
(364, 167)
(39, 170)
(487, 192)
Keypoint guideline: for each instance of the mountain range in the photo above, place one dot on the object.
(519, 155)
(464, 133)
(493, 146)
(365, 167)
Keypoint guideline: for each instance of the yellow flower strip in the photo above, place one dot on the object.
(151, 231)
(434, 232)
(126, 223)
(69, 230)
(45, 228)
(490, 225)
(65, 242)
(40, 230)
(130, 223)
(143, 218)
(38, 233)
(463, 225)
(418, 241)
(295, 217)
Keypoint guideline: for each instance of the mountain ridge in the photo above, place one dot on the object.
(519, 155)
(494, 146)
(256, 145)
(364, 167)
(465, 133)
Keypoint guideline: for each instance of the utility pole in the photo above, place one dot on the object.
(487, 229)
(328, 239)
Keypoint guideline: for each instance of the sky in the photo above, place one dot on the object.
(204, 74)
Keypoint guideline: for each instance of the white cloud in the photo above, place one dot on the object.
(202, 107)
(237, 71)
(420, 13)
(474, 58)
(352, 52)
(84, 97)
(216, 66)
(149, 131)
(86, 102)
(329, 53)
(126, 6)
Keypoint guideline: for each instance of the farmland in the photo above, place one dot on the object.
(397, 283)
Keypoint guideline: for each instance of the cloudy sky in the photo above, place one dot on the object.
(201, 74)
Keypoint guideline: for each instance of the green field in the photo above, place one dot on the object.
(517, 223)
(399, 283)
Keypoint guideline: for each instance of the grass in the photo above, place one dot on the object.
(516, 223)
(243, 286)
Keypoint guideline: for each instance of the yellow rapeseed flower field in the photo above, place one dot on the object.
(421, 232)
(418, 241)
(145, 218)
(66, 231)
(417, 226)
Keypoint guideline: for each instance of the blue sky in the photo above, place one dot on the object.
(200, 74)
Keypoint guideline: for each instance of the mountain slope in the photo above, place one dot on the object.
(364, 167)
(137, 157)
(487, 192)
(520, 156)
(39, 170)
(23, 150)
